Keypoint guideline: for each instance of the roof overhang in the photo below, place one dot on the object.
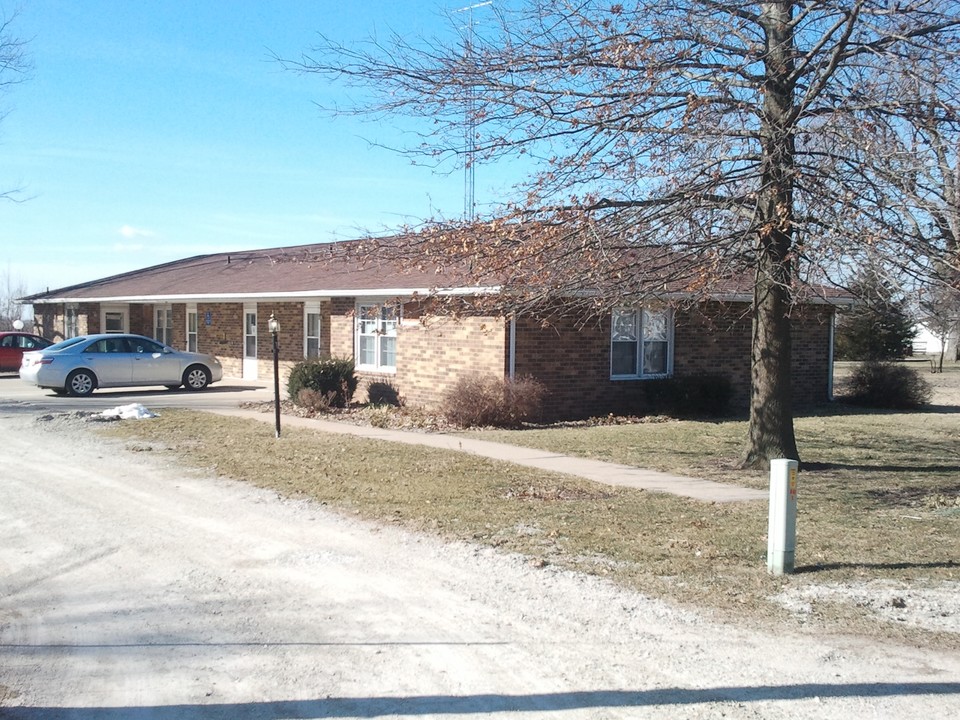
(279, 296)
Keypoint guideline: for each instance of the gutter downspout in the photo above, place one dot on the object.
(833, 323)
(512, 359)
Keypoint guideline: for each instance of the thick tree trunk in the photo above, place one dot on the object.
(771, 432)
(771, 408)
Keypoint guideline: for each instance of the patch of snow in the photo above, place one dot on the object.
(934, 608)
(134, 411)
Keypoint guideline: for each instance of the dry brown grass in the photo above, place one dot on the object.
(879, 500)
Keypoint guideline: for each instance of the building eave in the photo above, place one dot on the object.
(268, 296)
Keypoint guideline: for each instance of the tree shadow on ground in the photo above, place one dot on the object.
(491, 703)
(863, 467)
(826, 567)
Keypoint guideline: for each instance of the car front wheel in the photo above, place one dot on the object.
(196, 377)
(81, 383)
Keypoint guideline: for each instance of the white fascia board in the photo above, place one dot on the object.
(747, 298)
(294, 295)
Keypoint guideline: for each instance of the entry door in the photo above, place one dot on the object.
(249, 342)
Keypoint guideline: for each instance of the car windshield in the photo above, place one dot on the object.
(65, 344)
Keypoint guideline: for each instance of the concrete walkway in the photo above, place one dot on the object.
(595, 470)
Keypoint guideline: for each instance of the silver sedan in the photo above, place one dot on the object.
(80, 365)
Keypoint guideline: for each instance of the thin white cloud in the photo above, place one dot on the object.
(132, 233)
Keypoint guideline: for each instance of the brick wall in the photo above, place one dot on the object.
(434, 352)
(224, 336)
(811, 368)
(289, 340)
(573, 362)
(140, 318)
(90, 312)
(50, 320)
(178, 337)
(714, 339)
(340, 337)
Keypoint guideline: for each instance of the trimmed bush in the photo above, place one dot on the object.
(315, 401)
(489, 401)
(333, 379)
(692, 396)
(888, 386)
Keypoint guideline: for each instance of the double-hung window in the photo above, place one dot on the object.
(192, 328)
(163, 327)
(311, 331)
(71, 321)
(641, 341)
(377, 337)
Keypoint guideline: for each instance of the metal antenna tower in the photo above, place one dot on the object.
(470, 144)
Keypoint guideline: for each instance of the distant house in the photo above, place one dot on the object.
(925, 342)
(928, 342)
(389, 320)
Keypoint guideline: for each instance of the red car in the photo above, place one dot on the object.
(14, 344)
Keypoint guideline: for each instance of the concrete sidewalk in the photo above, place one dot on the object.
(595, 470)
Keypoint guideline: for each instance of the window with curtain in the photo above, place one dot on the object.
(641, 343)
(377, 336)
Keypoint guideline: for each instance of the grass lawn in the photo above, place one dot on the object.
(879, 501)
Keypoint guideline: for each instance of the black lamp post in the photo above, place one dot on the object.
(274, 327)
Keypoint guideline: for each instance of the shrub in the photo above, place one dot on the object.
(695, 395)
(380, 416)
(315, 401)
(333, 377)
(477, 401)
(887, 385)
(384, 393)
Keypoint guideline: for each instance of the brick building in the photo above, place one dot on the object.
(385, 318)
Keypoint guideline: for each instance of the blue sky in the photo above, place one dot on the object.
(152, 130)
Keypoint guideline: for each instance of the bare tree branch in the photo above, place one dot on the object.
(685, 143)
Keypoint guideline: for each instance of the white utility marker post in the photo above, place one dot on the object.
(782, 525)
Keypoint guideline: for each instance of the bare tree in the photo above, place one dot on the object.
(940, 312)
(14, 65)
(13, 68)
(11, 290)
(683, 141)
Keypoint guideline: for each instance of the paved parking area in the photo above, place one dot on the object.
(17, 397)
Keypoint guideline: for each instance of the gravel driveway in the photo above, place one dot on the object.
(133, 590)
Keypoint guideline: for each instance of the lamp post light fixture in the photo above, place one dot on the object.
(274, 326)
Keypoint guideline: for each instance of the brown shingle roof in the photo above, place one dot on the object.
(321, 269)
(352, 268)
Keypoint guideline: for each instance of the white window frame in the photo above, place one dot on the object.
(192, 334)
(375, 314)
(250, 333)
(250, 363)
(308, 310)
(642, 316)
(71, 321)
(122, 310)
(163, 324)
